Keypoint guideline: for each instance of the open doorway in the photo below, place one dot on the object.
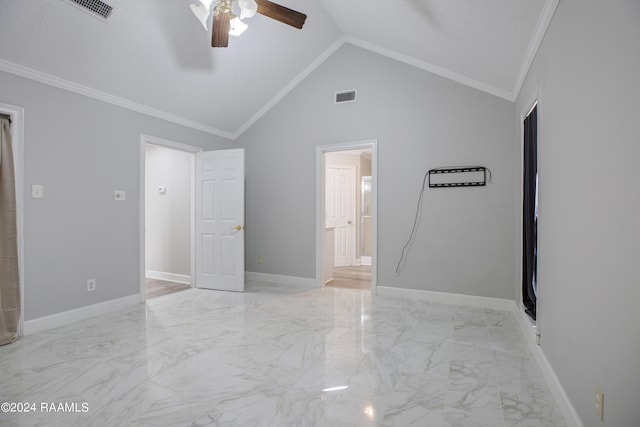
(346, 215)
(166, 216)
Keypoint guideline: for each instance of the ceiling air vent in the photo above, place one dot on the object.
(346, 96)
(95, 7)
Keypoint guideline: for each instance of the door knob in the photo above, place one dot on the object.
(349, 222)
(237, 228)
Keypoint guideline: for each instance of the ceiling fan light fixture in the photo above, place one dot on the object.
(206, 3)
(248, 8)
(202, 13)
(237, 27)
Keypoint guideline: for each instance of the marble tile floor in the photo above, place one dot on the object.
(279, 355)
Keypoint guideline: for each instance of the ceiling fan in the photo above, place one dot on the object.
(227, 21)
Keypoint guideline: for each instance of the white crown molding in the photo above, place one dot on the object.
(290, 86)
(544, 21)
(442, 72)
(67, 85)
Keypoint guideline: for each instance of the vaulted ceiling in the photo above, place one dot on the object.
(153, 56)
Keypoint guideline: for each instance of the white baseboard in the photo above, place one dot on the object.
(72, 316)
(570, 414)
(448, 298)
(285, 280)
(365, 260)
(169, 277)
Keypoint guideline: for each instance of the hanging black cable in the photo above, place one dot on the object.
(414, 228)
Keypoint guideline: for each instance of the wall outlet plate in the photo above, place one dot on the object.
(91, 285)
(119, 195)
(37, 191)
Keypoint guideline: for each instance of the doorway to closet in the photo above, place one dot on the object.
(168, 218)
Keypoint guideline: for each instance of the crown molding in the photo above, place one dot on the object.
(442, 72)
(290, 86)
(544, 21)
(541, 28)
(79, 89)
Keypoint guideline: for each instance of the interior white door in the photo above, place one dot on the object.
(340, 212)
(220, 220)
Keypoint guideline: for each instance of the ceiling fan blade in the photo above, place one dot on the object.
(220, 33)
(281, 13)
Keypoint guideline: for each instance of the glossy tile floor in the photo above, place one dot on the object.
(280, 356)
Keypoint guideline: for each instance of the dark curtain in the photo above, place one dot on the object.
(529, 213)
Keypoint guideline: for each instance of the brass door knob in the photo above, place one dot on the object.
(237, 228)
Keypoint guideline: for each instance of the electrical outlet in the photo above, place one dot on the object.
(119, 195)
(599, 403)
(260, 260)
(91, 285)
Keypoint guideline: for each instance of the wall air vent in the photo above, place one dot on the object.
(96, 8)
(346, 96)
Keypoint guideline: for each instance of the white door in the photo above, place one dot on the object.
(220, 220)
(340, 190)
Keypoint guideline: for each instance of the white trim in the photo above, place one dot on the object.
(570, 414)
(442, 72)
(79, 314)
(17, 139)
(372, 145)
(548, 10)
(168, 277)
(48, 79)
(154, 140)
(448, 298)
(285, 280)
(365, 260)
(289, 87)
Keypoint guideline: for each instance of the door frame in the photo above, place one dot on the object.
(17, 139)
(372, 145)
(161, 142)
(352, 171)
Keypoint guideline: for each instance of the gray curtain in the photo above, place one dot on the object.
(9, 277)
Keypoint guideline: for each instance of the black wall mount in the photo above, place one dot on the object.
(459, 176)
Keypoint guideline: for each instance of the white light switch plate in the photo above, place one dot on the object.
(37, 191)
(119, 195)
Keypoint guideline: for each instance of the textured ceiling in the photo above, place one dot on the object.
(153, 55)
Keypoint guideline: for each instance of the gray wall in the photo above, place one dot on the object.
(168, 215)
(589, 223)
(465, 242)
(82, 150)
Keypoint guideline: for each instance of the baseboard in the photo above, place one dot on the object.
(448, 298)
(72, 316)
(365, 260)
(285, 280)
(169, 277)
(570, 414)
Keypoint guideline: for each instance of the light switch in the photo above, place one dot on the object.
(37, 191)
(119, 195)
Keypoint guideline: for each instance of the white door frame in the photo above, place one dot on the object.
(153, 140)
(17, 139)
(320, 205)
